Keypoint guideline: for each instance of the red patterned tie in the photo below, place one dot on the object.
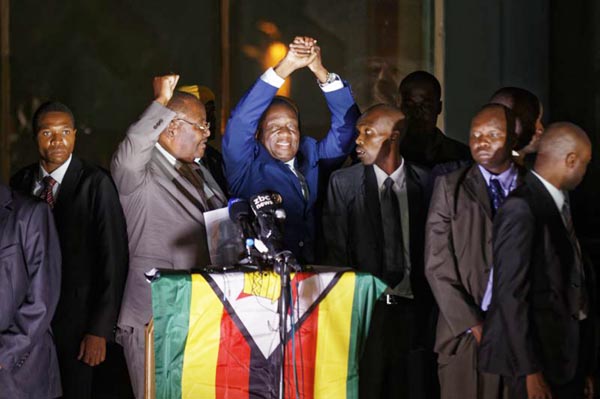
(47, 194)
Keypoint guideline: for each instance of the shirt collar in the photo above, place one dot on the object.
(290, 163)
(57, 174)
(557, 195)
(506, 178)
(172, 160)
(397, 175)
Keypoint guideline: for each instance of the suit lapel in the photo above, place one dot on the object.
(475, 185)
(371, 195)
(546, 206)
(67, 187)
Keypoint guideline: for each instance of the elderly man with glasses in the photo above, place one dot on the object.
(164, 195)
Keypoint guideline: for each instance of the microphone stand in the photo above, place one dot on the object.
(284, 262)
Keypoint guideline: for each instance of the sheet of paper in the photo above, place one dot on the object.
(224, 238)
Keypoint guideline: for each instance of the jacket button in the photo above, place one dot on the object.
(301, 244)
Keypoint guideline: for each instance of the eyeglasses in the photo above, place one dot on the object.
(204, 126)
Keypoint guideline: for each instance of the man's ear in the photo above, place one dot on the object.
(571, 159)
(439, 107)
(171, 130)
(396, 134)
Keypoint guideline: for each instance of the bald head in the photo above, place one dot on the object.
(563, 155)
(561, 138)
(384, 112)
(184, 103)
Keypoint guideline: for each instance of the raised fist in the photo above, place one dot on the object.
(164, 86)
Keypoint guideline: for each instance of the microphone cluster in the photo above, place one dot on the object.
(260, 221)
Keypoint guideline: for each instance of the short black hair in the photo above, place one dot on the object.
(180, 100)
(47, 107)
(420, 78)
(280, 100)
(285, 101)
(525, 106)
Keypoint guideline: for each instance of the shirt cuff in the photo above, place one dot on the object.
(270, 77)
(336, 84)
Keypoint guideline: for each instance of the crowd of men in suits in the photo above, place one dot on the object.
(490, 293)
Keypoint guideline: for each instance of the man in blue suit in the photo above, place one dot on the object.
(264, 150)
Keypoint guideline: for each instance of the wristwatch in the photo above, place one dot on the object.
(331, 77)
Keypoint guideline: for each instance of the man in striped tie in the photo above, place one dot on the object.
(93, 242)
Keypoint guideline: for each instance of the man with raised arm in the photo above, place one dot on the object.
(163, 194)
(263, 148)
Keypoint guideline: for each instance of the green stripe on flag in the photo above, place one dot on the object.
(367, 289)
(171, 310)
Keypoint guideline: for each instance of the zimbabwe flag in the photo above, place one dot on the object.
(216, 335)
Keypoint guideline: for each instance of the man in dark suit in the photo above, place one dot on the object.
(458, 251)
(540, 329)
(425, 144)
(374, 221)
(29, 290)
(93, 241)
(264, 150)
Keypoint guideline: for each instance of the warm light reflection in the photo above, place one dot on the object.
(275, 52)
(271, 54)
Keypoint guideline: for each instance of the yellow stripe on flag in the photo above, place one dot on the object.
(202, 346)
(333, 339)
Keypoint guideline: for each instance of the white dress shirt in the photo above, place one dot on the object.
(57, 174)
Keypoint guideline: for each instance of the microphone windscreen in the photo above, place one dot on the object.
(238, 208)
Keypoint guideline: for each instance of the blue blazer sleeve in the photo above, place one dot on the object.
(342, 132)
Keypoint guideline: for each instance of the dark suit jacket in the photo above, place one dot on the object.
(29, 290)
(529, 327)
(250, 169)
(93, 241)
(458, 253)
(353, 229)
(430, 149)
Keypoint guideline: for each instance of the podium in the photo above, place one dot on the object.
(215, 335)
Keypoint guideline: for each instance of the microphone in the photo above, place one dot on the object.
(270, 217)
(241, 215)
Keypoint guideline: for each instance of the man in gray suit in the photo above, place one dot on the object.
(29, 289)
(458, 251)
(163, 194)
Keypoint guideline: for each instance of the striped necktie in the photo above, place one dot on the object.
(47, 193)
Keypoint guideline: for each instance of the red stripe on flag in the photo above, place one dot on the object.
(233, 363)
(305, 342)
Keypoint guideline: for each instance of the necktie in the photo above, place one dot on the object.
(47, 193)
(393, 252)
(496, 194)
(577, 295)
(197, 181)
(214, 199)
(302, 180)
